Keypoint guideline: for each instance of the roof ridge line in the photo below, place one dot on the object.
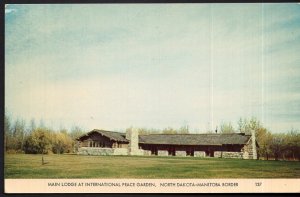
(193, 134)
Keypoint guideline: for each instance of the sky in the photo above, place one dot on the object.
(111, 66)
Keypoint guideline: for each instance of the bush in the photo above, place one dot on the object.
(38, 142)
(61, 143)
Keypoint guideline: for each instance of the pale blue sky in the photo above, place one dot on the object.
(153, 65)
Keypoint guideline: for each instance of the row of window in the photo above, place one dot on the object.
(102, 144)
(116, 145)
(96, 144)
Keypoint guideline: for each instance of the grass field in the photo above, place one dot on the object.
(77, 166)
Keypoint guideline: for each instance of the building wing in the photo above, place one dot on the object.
(195, 139)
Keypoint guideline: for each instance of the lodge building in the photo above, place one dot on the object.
(233, 145)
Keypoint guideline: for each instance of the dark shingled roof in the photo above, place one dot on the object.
(177, 139)
(195, 139)
(116, 136)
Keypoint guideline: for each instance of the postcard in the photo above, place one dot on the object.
(152, 98)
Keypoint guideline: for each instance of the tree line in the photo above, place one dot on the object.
(28, 138)
(22, 138)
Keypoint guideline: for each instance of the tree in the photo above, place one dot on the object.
(38, 142)
(184, 129)
(264, 139)
(143, 131)
(240, 125)
(243, 125)
(292, 144)
(7, 133)
(32, 126)
(169, 130)
(61, 143)
(146, 131)
(227, 128)
(277, 146)
(18, 134)
(76, 131)
(254, 123)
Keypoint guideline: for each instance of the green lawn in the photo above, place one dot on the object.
(78, 166)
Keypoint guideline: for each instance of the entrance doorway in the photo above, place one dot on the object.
(190, 152)
(209, 153)
(171, 151)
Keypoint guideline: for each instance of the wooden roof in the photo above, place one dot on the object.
(176, 139)
(195, 139)
(116, 136)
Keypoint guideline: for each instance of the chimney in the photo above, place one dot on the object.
(254, 144)
(133, 137)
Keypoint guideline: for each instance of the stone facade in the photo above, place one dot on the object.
(224, 154)
(180, 153)
(102, 151)
(162, 153)
(147, 153)
(237, 155)
(139, 152)
(120, 151)
(199, 154)
(245, 155)
(218, 154)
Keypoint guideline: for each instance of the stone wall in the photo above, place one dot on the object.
(223, 154)
(180, 153)
(238, 155)
(102, 151)
(218, 154)
(199, 154)
(120, 151)
(147, 152)
(138, 152)
(110, 151)
(95, 151)
(162, 153)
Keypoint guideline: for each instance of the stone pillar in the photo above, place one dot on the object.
(199, 154)
(133, 137)
(180, 153)
(254, 144)
(162, 153)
